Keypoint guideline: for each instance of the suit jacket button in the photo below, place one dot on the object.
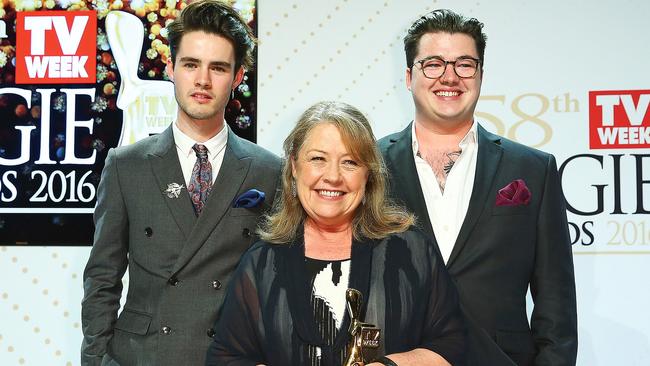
(173, 281)
(148, 232)
(166, 330)
(211, 333)
(216, 284)
(246, 233)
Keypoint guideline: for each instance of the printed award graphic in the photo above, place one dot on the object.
(148, 105)
(78, 78)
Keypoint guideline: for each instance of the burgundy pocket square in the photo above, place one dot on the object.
(514, 194)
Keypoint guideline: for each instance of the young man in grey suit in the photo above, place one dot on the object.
(495, 207)
(177, 209)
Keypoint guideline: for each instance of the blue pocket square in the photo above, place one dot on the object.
(249, 199)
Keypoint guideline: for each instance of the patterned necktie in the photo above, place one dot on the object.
(201, 180)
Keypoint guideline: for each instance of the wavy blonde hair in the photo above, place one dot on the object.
(377, 218)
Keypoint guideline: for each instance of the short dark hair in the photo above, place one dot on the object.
(215, 17)
(443, 21)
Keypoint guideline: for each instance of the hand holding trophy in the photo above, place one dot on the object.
(365, 338)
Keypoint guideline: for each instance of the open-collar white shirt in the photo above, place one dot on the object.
(447, 209)
(187, 156)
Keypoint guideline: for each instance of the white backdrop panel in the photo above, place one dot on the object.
(542, 59)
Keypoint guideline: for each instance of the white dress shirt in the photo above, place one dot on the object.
(187, 156)
(447, 209)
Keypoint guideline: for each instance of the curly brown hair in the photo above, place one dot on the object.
(214, 17)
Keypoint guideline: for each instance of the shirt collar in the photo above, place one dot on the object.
(215, 144)
(469, 138)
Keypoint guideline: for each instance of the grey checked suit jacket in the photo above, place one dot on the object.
(502, 250)
(179, 265)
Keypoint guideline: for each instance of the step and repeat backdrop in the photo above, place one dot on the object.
(80, 77)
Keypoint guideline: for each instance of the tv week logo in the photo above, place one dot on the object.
(619, 119)
(56, 47)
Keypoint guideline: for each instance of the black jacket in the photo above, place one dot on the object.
(266, 317)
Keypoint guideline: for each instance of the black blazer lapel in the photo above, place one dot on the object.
(295, 282)
(404, 176)
(232, 173)
(360, 270)
(167, 170)
(487, 164)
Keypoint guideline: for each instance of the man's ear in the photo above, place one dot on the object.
(169, 68)
(408, 78)
(239, 76)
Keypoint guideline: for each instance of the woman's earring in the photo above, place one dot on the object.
(294, 191)
(363, 200)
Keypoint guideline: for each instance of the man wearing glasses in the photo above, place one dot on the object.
(495, 207)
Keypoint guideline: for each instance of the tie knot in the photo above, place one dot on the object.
(201, 151)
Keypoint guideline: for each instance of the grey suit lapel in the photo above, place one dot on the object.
(167, 169)
(405, 176)
(487, 164)
(232, 173)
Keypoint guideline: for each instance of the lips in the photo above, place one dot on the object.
(201, 97)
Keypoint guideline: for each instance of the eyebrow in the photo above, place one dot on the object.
(348, 154)
(211, 63)
(442, 58)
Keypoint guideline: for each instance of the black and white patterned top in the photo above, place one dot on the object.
(329, 281)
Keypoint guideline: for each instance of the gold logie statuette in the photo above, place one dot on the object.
(365, 338)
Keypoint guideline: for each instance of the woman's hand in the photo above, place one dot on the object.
(418, 356)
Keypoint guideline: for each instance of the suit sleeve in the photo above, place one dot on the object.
(554, 317)
(102, 278)
(236, 340)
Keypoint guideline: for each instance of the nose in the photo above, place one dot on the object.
(202, 78)
(449, 76)
(332, 173)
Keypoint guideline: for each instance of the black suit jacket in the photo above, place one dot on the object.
(502, 250)
(179, 264)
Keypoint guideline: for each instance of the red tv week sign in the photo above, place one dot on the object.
(56, 47)
(619, 119)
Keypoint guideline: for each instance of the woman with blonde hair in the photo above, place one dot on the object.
(332, 229)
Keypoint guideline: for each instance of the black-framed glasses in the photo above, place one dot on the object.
(434, 67)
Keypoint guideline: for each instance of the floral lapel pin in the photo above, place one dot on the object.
(514, 194)
(173, 190)
(249, 199)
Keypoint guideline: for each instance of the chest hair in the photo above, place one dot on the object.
(441, 162)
